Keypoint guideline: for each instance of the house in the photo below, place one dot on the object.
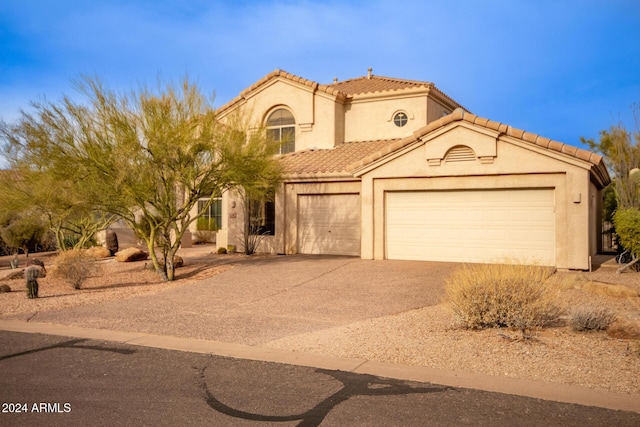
(386, 168)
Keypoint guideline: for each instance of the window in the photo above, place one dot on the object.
(400, 119)
(211, 219)
(281, 128)
(262, 217)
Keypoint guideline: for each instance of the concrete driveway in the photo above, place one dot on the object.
(264, 298)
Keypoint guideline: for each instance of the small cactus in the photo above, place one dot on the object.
(31, 274)
(112, 241)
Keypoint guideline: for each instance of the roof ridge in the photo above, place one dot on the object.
(386, 78)
(459, 114)
(289, 76)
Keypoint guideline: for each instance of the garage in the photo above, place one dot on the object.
(471, 225)
(329, 224)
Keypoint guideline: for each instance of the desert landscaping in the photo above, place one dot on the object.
(430, 336)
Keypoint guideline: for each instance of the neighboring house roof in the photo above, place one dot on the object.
(341, 90)
(307, 162)
(331, 161)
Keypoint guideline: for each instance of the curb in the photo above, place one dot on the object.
(520, 387)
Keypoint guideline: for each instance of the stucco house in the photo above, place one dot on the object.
(386, 168)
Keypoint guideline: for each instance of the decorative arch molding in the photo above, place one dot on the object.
(409, 114)
(461, 142)
(275, 108)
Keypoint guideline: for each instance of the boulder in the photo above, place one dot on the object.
(98, 252)
(625, 328)
(131, 254)
(17, 274)
(177, 261)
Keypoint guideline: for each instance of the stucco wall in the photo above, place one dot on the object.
(514, 166)
(317, 114)
(372, 118)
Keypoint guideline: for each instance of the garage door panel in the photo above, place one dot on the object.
(471, 226)
(329, 224)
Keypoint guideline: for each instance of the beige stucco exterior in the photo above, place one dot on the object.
(513, 167)
(344, 120)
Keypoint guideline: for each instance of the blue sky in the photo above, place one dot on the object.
(560, 68)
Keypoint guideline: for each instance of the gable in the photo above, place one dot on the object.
(510, 150)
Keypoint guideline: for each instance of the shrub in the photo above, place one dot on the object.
(204, 236)
(503, 295)
(591, 318)
(74, 266)
(627, 223)
(222, 250)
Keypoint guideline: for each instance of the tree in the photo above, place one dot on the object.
(144, 156)
(72, 220)
(622, 150)
(22, 230)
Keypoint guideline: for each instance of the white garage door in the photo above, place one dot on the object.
(329, 224)
(471, 226)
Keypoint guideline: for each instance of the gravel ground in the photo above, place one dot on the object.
(428, 336)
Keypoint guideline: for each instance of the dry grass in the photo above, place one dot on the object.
(503, 295)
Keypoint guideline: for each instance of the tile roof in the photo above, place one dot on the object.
(342, 90)
(368, 84)
(288, 76)
(599, 170)
(330, 161)
(372, 84)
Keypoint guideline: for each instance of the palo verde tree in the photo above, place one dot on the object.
(145, 156)
(43, 196)
(621, 147)
(257, 180)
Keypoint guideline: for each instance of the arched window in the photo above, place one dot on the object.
(281, 128)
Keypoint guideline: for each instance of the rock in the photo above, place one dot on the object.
(131, 254)
(37, 261)
(177, 261)
(4, 288)
(99, 252)
(619, 291)
(17, 274)
(625, 328)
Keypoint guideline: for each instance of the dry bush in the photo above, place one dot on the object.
(591, 318)
(503, 295)
(74, 266)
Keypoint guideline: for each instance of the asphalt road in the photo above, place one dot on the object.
(54, 381)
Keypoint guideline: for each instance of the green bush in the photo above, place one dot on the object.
(74, 266)
(627, 224)
(206, 224)
(591, 318)
(503, 295)
(222, 250)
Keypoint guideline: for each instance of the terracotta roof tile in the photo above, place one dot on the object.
(334, 160)
(371, 84)
(344, 89)
(459, 114)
